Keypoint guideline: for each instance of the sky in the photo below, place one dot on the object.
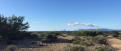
(55, 15)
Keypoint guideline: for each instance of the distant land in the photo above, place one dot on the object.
(101, 29)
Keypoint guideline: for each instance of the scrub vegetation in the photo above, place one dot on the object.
(14, 36)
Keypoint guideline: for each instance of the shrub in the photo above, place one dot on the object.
(76, 42)
(104, 48)
(11, 27)
(10, 48)
(84, 41)
(100, 39)
(87, 33)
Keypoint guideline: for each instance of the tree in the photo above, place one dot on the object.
(13, 26)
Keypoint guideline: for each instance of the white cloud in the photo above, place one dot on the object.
(92, 25)
(81, 24)
(78, 25)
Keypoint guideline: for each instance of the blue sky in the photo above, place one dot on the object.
(49, 15)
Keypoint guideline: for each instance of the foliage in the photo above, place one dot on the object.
(10, 48)
(115, 33)
(76, 42)
(84, 41)
(100, 39)
(104, 48)
(13, 26)
(87, 33)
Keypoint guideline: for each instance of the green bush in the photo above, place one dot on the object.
(104, 48)
(10, 48)
(11, 27)
(76, 42)
(100, 39)
(87, 33)
(84, 41)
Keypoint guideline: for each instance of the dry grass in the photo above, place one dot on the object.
(50, 47)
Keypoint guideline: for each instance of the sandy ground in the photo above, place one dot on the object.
(115, 43)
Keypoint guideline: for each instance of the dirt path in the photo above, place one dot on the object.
(115, 43)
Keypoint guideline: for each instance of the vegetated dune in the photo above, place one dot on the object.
(48, 47)
(115, 43)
